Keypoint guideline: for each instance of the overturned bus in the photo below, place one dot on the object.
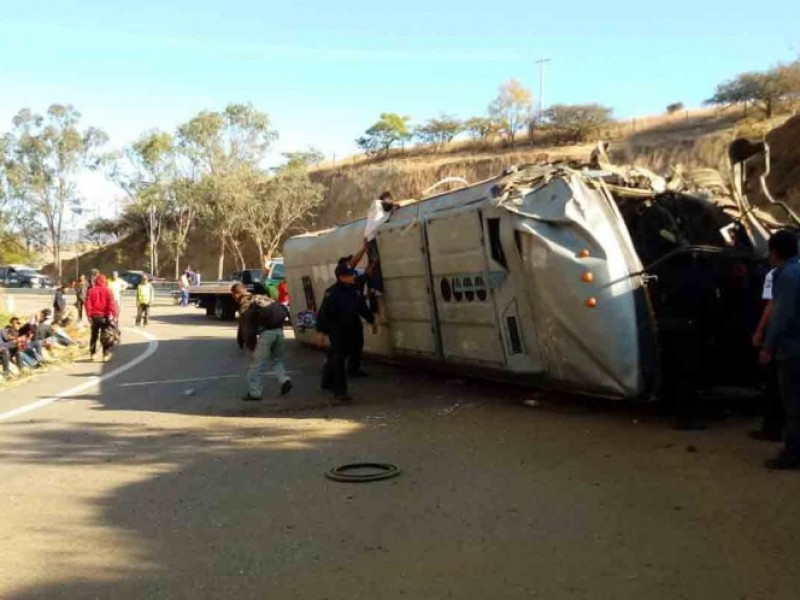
(596, 279)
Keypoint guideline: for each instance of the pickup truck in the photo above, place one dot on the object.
(215, 296)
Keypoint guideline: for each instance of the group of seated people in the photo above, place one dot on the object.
(24, 344)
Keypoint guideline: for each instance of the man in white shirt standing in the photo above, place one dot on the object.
(184, 284)
(117, 285)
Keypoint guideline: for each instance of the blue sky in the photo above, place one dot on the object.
(324, 71)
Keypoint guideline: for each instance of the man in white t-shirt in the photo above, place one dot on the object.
(183, 285)
(117, 285)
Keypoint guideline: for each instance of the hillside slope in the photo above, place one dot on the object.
(699, 141)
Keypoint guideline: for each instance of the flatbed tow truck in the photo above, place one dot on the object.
(215, 296)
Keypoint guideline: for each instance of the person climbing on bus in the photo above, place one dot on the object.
(379, 213)
(339, 318)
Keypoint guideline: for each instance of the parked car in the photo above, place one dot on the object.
(24, 277)
(134, 278)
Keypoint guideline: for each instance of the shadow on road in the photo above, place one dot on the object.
(499, 500)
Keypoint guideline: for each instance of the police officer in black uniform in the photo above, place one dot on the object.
(339, 318)
(354, 358)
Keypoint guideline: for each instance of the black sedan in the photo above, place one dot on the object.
(24, 277)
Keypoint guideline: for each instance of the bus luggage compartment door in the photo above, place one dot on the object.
(464, 303)
(407, 298)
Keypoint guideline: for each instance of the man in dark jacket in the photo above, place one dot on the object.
(81, 288)
(361, 279)
(59, 303)
(782, 342)
(339, 318)
(8, 349)
(261, 330)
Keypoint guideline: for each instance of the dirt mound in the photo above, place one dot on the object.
(784, 178)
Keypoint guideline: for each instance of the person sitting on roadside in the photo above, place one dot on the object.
(8, 350)
(30, 350)
(51, 334)
(261, 329)
(101, 311)
(145, 295)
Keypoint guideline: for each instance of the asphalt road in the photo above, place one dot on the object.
(158, 482)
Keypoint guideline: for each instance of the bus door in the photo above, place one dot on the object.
(407, 298)
(462, 285)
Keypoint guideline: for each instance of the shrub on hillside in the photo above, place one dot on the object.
(576, 122)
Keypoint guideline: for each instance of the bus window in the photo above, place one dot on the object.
(495, 246)
(308, 290)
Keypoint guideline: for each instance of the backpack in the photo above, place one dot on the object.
(270, 314)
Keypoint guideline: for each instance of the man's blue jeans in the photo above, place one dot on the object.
(269, 353)
(184, 297)
(789, 378)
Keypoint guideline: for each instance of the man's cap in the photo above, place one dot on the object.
(343, 270)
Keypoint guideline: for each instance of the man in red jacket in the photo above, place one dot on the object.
(100, 310)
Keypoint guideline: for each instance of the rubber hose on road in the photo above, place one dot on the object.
(384, 471)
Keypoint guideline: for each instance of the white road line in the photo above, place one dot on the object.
(188, 379)
(152, 346)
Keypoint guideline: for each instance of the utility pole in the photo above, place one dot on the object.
(541, 62)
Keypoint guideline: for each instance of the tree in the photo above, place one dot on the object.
(183, 208)
(481, 128)
(280, 203)
(674, 107)
(103, 231)
(439, 131)
(145, 170)
(389, 130)
(304, 158)
(225, 149)
(743, 89)
(44, 155)
(761, 89)
(513, 108)
(577, 120)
